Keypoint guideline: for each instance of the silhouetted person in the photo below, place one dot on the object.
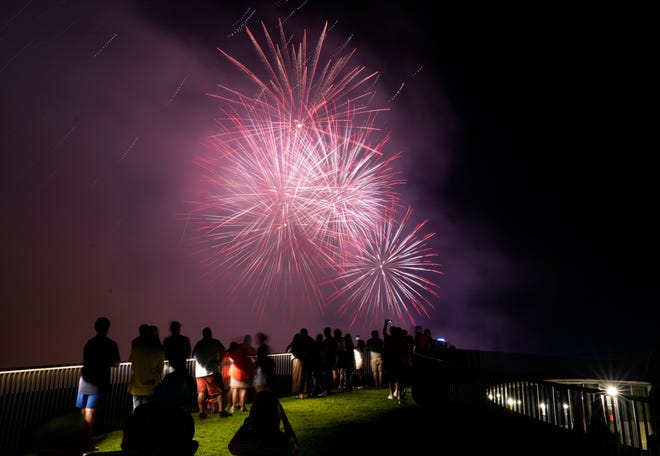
(64, 435)
(162, 427)
(177, 347)
(348, 366)
(314, 364)
(309, 363)
(100, 354)
(208, 353)
(261, 433)
(143, 334)
(297, 348)
(375, 348)
(147, 362)
(328, 360)
(359, 355)
(241, 373)
(264, 372)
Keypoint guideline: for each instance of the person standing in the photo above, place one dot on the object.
(241, 373)
(177, 347)
(328, 360)
(358, 353)
(162, 426)
(208, 353)
(298, 381)
(375, 348)
(100, 355)
(147, 362)
(264, 372)
(349, 363)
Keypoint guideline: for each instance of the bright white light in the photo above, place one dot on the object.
(612, 391)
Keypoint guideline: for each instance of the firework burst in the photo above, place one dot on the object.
(298, 178)
(389, 274)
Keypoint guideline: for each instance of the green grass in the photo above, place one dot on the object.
(342, 423)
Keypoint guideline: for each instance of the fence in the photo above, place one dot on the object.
(31, 397)
(618, 421)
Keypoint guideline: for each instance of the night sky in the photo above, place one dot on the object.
(523, 133)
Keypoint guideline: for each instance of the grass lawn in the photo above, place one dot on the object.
(356, 422)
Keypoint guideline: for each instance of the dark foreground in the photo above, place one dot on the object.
(463, 431)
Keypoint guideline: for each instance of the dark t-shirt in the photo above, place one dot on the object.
(252, 443)
(177, 348)
(375, 344)
(99, 355)
(156, 429)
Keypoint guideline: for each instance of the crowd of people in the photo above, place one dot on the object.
(162, 388)
(333, 361)
(224, 378)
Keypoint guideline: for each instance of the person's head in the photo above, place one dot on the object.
(143, 330)
(206, 333)
(153, 334)
(304, 332)
(176, 389)
(262, 338)
(265, 413)
(102, 325)
(175, 327)
(374, 333)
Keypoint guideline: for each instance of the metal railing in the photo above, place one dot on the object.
(29, 398)
(618, 416)
(617, 421)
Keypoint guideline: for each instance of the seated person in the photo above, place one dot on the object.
(162, 426)
(64, 435)
(260, 433)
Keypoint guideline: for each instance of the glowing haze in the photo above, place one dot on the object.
(462, 168)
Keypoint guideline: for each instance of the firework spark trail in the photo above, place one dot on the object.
(388, 274)
(13, 57)
(129, 148)
(185, 228)
(11, 19)
(398, 92)
(334, 24)
(343, 46)
(295, 10)
(295, 84)
(242, 23)
(176, 92)
(298, 181)
(419, 70)
(107, 43)
(73, 128)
